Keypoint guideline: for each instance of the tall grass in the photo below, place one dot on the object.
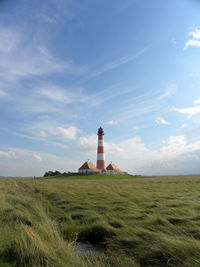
(138, 222)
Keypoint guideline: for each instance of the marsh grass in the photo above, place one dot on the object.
(139, 221)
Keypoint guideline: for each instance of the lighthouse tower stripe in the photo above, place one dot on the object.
(101, 164)
(100, 142)
(100, 137)
(100, 156)
(100, 149)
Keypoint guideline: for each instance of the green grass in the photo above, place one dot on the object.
(139, 221)
(92, 176)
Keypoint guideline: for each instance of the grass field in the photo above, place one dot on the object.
(138, 221)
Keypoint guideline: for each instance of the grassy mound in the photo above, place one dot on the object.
(91, 176)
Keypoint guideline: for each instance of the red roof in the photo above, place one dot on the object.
(113, 167)
(89, 166)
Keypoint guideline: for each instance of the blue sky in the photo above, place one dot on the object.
(68, 67)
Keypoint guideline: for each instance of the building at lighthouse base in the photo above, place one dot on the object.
(88, 168)
(112, 169)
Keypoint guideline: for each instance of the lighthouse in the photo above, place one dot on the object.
(100, 150)
(89, 168)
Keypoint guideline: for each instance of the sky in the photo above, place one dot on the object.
(68, 67)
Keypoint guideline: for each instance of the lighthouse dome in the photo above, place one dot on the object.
(100, 131)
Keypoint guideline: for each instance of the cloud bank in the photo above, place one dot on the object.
(175, 156)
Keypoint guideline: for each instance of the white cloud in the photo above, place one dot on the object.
(113, 148)
(174, 145)
(192, 43)
(52, 98)
(115, 64)
(37, 106)
(27, 62)
(2, 93)
(160, 120)
(87, 143)
(23, 57)
(27, 58)
(44, 140)
(111, 122)
(7, 154)
(42, 133)
(49, 132)
(37, 157)
(197, 101)
(195, 34)
(173, 43)
(189, 111)
(68, 133)
(56, 93)
(142, 109)
(24, 165)
(176, 140)
(47, 18)
(195, 42)
(9, 39)
(63, 95)
(171, 158)
(184, 125)
(169, 91)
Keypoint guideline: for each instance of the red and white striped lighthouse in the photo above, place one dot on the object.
(100, 150)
